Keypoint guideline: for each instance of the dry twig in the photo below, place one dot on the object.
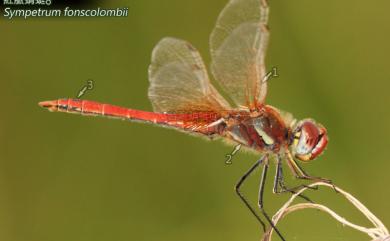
(378, 233)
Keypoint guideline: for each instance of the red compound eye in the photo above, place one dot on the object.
(311, 140)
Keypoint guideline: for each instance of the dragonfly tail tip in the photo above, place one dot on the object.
(49, 105)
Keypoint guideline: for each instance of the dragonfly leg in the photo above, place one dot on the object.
(261, 202)
(301, 174)
(242, 197)
(279, 181)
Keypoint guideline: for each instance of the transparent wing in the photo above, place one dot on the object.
(238, 46)
(179, 80)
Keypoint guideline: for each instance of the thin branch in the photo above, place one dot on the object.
(378, 233)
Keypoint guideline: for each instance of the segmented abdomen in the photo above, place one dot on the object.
(195, 122)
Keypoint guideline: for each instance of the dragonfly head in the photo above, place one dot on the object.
(309, 140)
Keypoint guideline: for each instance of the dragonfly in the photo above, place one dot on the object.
(184, 99)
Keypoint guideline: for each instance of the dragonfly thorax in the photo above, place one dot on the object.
(262, 131)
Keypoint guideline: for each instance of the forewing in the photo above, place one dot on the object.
(238, 46)
(179, 80)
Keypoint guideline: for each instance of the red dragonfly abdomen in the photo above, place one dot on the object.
(193, 122)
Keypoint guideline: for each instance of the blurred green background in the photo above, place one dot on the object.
(66, 177)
